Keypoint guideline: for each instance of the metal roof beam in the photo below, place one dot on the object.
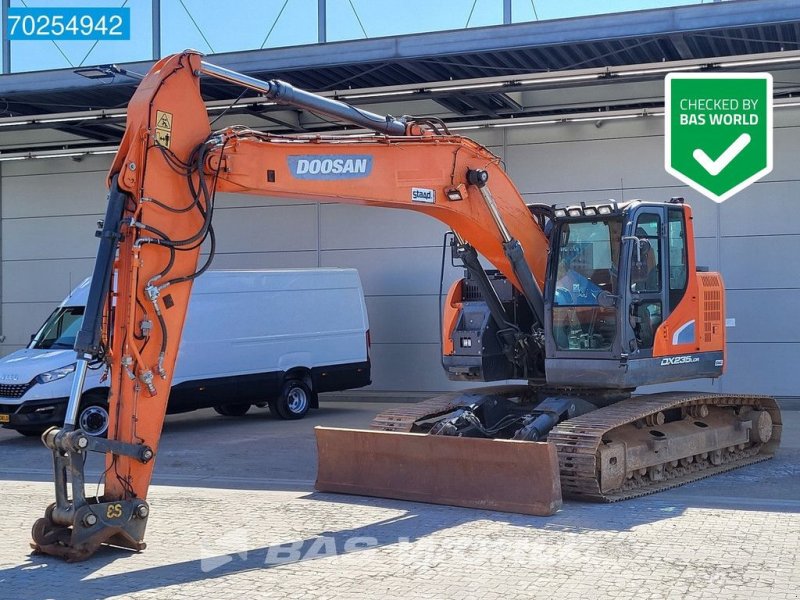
(483, 85)
(98, 132)
(541, 34)
(294, 125)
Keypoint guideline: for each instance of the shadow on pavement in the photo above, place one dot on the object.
(229, 554)
(232, 553)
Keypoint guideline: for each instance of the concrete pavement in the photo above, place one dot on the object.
(234, 514)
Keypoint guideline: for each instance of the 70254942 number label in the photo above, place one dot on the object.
(69, 23)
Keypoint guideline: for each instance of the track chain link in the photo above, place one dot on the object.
(578, 443)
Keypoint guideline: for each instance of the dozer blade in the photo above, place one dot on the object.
(504, 475)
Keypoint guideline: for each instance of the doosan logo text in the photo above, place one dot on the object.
(330, 166)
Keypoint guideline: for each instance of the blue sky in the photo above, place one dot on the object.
(246, 24)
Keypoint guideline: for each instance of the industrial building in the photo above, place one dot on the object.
(573, 106)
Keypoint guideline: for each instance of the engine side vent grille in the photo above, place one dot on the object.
(712, 295)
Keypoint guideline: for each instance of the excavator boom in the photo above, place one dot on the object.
(161, 202)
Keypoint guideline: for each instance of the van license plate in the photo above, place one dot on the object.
(3, 418)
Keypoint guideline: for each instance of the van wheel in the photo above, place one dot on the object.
(93, 416)
(232, 410)
(294, 401)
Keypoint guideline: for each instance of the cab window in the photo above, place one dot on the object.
(646, 310)
(588, 253)
(678, 270)
(646, 263)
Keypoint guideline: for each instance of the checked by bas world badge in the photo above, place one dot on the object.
(718, 130)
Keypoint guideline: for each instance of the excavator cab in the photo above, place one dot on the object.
(624, 302)
(624, 306)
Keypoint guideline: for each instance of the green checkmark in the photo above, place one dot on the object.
(723, 160)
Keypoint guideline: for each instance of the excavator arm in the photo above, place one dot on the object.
(161, 203)
(601, 334)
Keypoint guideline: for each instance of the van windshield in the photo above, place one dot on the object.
(60, 329)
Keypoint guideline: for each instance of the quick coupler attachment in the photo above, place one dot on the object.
(73, 528)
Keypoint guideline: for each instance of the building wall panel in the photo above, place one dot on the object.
(49, 209)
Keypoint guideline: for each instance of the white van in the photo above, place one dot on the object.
(275, 337)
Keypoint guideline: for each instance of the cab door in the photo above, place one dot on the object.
(646, 269)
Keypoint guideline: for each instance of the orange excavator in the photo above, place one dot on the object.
(585, 304)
